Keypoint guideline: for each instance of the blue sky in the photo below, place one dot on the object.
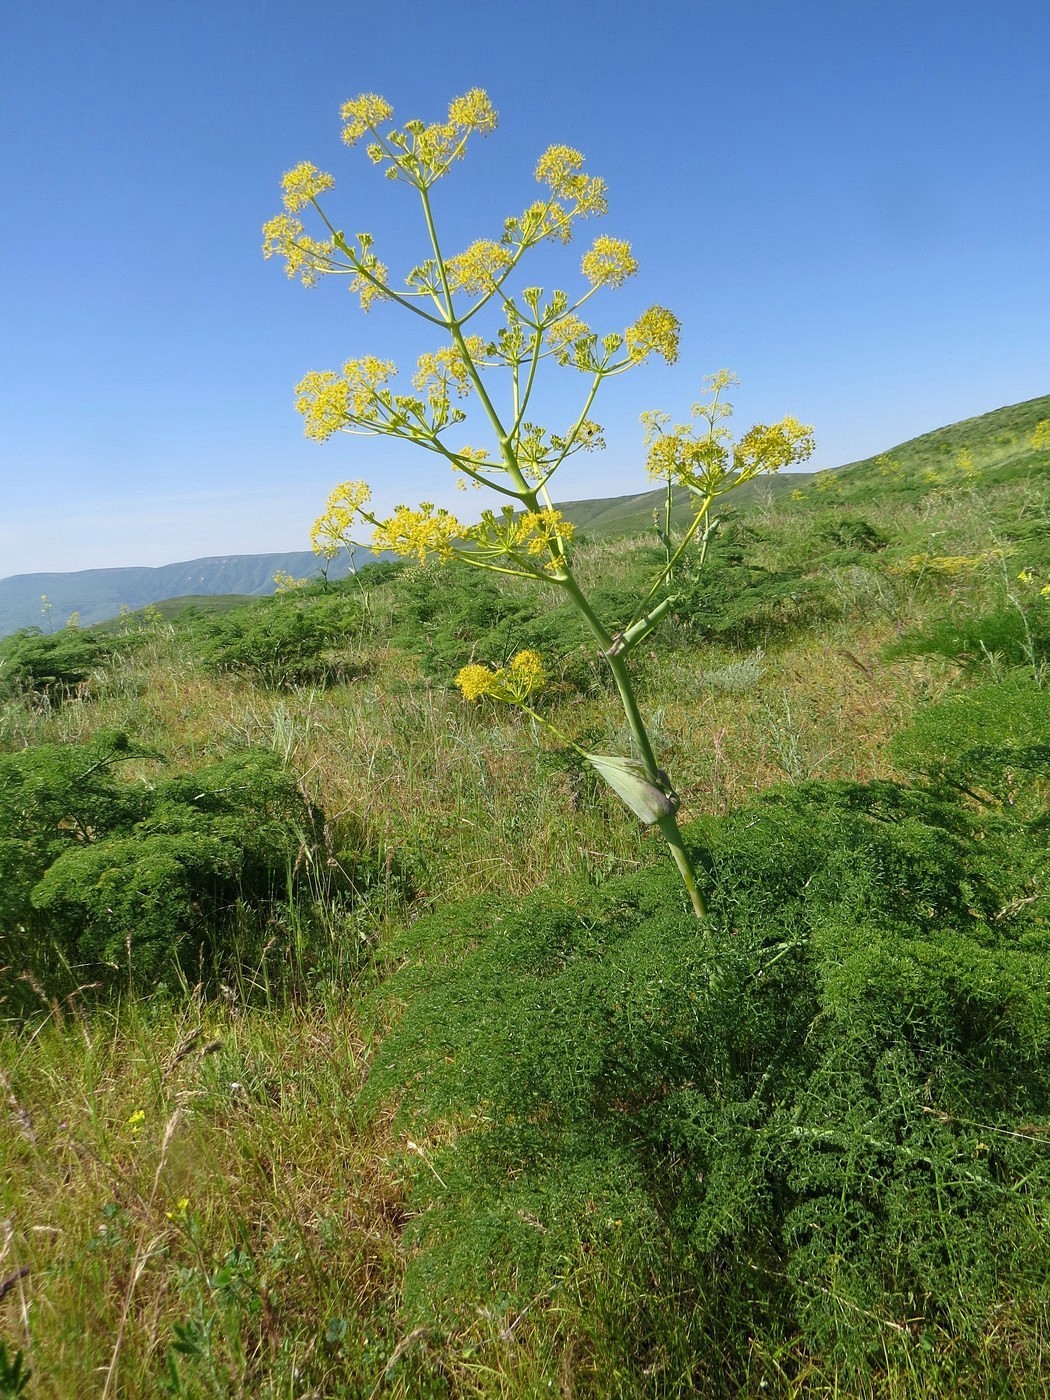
(845, 202)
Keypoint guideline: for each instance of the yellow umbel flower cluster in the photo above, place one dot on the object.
(698, 455)
(418, 533)
(656, 331)
(765, 449)
(302, 254)
(420, 153)
(364, 283)
(329, 401)
(331, 529)
(479, 267)
(304, 183)
(523, 537)
(608, 262)
(362, 115)
(560, 168)
(444, 369)
(565, 333)
(473, 112)
(514, 683)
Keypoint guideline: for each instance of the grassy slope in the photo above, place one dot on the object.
(248, 1206)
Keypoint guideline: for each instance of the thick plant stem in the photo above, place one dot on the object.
(669, 824)
(673, 837)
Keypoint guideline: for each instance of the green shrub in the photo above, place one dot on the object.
(851, 533)
(113, 882)
(995, 737)
(450, 615)
(735, 601)
(290, 639)
(53, 665)
(827, 1116)
(1005, 637)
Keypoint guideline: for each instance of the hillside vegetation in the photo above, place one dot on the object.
(359, 1043)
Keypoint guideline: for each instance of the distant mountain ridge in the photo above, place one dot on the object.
(98, 594)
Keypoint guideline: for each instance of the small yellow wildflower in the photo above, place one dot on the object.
(303, 183)
(136, 1120)
(964, 463)
(1025, 576)
(363, 114)
(656, 331)
(179, 1212)
(608, 262)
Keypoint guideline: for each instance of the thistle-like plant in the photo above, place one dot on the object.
(528, 536)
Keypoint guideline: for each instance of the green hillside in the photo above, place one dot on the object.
(358, 1041)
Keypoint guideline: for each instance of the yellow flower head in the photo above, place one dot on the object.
(656, 331)
(561, 169)
(513, 683)
(302, 254)
(476, 269)
(365, 286)
(446, 368)
(362, 115)
(302, 184)
(473, 112)
(329, 401)
(540, 529)
(564, 333)
(763, 449)
(541, 221)
(477, 681)
(608, 262)
(526, 672)
(418, 532)
(331, 530)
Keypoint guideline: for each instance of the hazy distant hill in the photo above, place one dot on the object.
(97, 594)
(998, 441)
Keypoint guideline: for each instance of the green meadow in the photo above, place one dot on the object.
(358, 1042)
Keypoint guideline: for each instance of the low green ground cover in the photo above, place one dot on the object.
(357, 1043)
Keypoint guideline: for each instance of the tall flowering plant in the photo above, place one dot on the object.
(527, 536)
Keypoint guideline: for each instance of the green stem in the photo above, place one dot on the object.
(529, 495)
(621, 676)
